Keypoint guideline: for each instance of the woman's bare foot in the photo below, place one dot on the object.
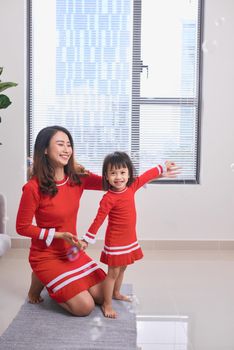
(118, 296)
(34, 293)
(108, 311)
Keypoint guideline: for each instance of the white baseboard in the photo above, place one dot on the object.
(153, 244)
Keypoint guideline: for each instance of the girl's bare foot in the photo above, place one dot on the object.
(34, 293)
(118, 296)
(108, 311)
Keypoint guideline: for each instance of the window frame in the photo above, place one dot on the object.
(137, 100)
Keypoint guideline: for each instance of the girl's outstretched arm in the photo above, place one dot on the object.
(171, 171)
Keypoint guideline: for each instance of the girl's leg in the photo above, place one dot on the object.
(34, 293)
(80, 305)
(108, 287)
(118, 283)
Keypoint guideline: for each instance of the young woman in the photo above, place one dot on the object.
(121, 245)
(52, 197)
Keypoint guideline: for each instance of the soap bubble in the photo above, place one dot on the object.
(135, 304)
(73, 253)
(204, 47)
(96, 333)
(215, 42)
(222, 19)
(98, 321)
(5, 219)
(219, 21)
(96, 328)
(209, 47)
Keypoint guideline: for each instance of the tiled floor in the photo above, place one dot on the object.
(184, 298)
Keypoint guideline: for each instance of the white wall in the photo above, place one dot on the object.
(171, 212)
(13, 126)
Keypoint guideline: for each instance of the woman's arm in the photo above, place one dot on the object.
(92, 182)
(29, 203)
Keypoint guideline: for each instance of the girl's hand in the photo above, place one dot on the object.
(172, 170)
(68, 237)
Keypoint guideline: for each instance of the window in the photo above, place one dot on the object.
(120, 75)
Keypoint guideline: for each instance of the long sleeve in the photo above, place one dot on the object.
(92, 182)
(105, 206)
(147, 176)
(24, 222)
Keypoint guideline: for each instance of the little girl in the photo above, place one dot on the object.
(121, 246)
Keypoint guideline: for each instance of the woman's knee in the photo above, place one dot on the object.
(80, 305)
(84, 309)
(96, 292)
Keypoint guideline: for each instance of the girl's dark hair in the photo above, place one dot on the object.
(42, 167)
(117, 160)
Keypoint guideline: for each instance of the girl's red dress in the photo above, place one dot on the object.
(121, 246)
(48, 256)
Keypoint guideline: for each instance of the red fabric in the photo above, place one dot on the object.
(121, 246)
(58, 212)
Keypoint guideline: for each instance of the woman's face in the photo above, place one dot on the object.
(59, 150)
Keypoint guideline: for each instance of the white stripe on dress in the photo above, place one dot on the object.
(42, 233)
(121, 247)
(74, 278)
(50, 236)
(63, 182)
(88, 239)
(159, 169)
(91, 234)
(122, 252)
(65, 274)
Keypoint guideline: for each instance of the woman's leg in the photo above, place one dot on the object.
(80, 305)
(118, 283)
(34, 293)
(108, 287)
(97, 293)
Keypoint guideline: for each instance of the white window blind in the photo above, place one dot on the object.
(120, 75)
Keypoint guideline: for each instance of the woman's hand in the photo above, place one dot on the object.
(172, 170)
(68, 237)
(83, 245)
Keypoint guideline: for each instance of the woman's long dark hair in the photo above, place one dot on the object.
(42, 167)
(117, 160)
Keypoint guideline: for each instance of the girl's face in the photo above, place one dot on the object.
(59, 150)
(117, 177)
